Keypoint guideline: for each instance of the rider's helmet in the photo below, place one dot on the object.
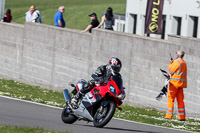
(115, 65)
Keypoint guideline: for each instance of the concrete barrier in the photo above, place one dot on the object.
(52, 57)
(11, 41)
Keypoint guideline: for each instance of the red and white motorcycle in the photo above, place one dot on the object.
(97, 106)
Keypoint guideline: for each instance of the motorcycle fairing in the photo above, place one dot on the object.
(112, 88)
(95, 94)
(87, 102)
(80, 84)
(83, 112)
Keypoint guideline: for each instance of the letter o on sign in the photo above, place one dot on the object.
(155, 11)
(153, 27)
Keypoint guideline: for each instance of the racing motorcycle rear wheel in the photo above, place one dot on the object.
(104, 114)
(67, 116)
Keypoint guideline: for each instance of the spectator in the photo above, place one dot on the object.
(7, 17)
(93, 24)
(58, 18)
(29, 14)
(108, 19)
(36, 15)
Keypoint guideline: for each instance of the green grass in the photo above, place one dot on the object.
(32, 93)
(154, 117)
(13, 129)
(76, 13)
(55, 98)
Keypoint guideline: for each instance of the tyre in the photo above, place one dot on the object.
(67, 117)
(104, 114)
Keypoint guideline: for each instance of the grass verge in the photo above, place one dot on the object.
(14, 129)
(150, 116)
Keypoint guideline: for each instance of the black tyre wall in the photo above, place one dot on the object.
(69, 119)
(110, 113)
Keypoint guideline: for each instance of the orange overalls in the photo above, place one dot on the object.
(178, 81)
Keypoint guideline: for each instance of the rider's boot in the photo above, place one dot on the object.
(86, 88)
(76, 98)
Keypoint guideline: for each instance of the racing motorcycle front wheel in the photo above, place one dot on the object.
(104, 114)
(67, 116)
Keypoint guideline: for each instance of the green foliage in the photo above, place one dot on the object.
(76, 12)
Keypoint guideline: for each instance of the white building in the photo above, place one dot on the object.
(180, 17)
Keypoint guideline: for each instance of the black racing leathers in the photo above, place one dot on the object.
(104, 75)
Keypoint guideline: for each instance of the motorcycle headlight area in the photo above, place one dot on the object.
(113, 90)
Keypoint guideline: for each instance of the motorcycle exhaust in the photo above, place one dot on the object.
(66, 95)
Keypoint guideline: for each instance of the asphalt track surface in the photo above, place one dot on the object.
(22, 113)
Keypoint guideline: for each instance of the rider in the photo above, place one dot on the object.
(104, 73)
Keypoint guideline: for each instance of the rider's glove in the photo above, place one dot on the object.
(122, 95)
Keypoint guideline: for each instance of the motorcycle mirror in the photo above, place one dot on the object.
(72, 85)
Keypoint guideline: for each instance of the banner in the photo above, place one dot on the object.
(153, 19)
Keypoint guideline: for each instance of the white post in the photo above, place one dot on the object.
(140, 24)
(2, 8)
(129, 23)
(185, 30)
(198, 31)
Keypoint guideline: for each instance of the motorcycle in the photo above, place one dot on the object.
(164, 89)
(97, 106)
(168, 77)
